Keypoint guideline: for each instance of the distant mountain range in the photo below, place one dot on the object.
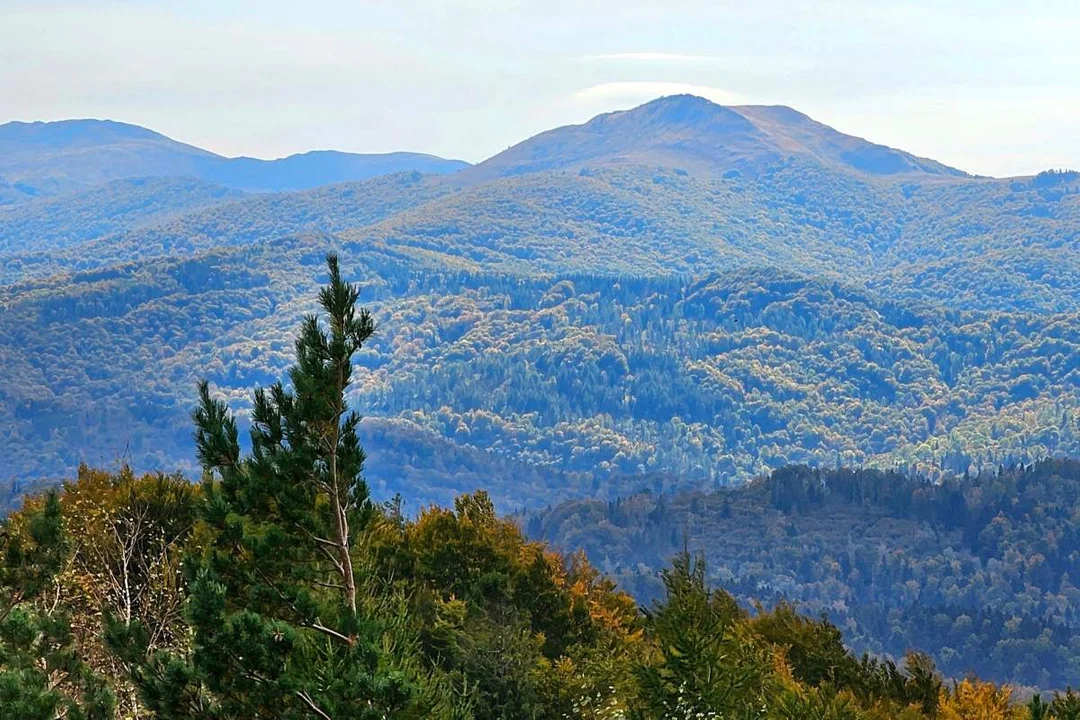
(610, 320)
(41, 159)
(681, 132)
(681, 293)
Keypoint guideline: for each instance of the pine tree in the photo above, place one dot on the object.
(279, 628)
(707, 662)
(1037, 708)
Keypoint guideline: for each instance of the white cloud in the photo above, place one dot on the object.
(639, 91)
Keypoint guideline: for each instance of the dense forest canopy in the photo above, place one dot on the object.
(977, 570)
(277, 588)
(585, 385)
(678, 295)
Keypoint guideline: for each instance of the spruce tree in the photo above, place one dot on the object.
(279, 627)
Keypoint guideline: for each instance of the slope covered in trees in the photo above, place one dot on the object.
(977, 571)
(278, 589)
(109, 226)
(974, 243)
(55, 224)
(603, 324)
(584, 385)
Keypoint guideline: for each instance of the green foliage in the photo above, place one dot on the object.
(976, 570)
(304, 599)
(816, 654)
(1037, 708)
(42, 677)
(706, 664)
(1065, 706)
(571, 386)
(50, 225)
(277, 627)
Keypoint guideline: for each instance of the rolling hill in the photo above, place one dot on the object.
(41, 159)
(53, 224)
(601, 307)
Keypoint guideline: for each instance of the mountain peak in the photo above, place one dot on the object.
(672, 112)
(697, 135)
(681, 108)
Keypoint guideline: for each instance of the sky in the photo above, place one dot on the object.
(986, 86)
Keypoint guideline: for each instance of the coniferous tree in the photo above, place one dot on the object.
(278, 628)
(1065, 706)
(708, 664)
(1037, 708)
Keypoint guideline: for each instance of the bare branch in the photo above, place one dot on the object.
(311, 704)
(319, 627)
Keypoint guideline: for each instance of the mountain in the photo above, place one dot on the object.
(975, 244)
(698, 136)
(71, 233)
(574, 331)
(660, 326)
(547, 387)
(312, 169)
(42, 158)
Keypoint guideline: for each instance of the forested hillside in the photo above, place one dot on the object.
(679, 295)
(277, 588)
(978, 570)
(971, 243)
(589, 381)
(53, 224)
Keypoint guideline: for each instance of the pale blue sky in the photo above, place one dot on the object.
(987, 86)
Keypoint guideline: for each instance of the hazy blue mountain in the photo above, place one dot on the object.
(107, 302)
(9, 195)
(699, 136)
(51, 224)
(42, 158)
(312, 169)
(42, 244)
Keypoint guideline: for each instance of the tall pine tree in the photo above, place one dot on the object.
(279, 631)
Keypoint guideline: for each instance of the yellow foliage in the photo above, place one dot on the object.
(975, 700)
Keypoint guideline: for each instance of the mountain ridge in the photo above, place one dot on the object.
(203, 269)
(53, 158)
